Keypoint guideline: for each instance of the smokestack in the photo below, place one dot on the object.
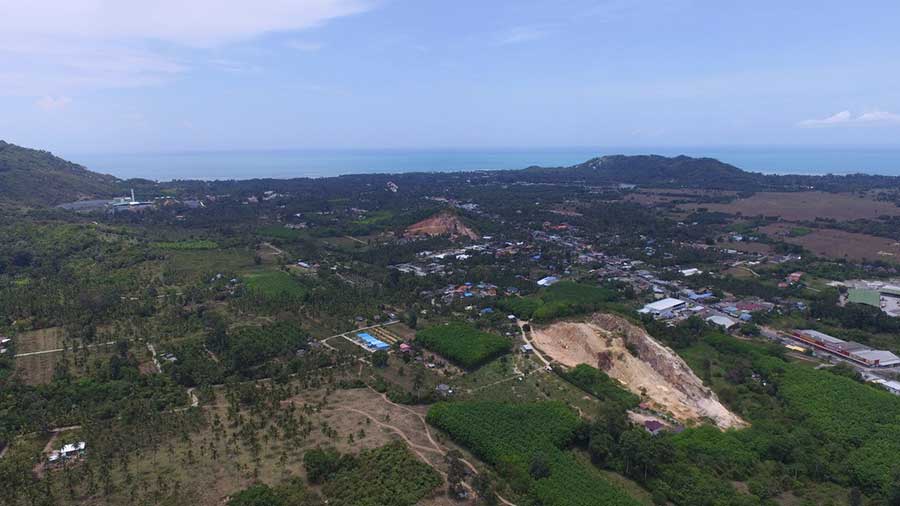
(132, 195)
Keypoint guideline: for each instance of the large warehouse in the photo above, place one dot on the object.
(848, 349)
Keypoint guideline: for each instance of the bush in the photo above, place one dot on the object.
(601, 386)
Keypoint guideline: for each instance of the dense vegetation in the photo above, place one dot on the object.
(291, 493)
(385, 476)
(562, 299)
(38, 178)
(463, 344)
(526, 444)
(601, 386)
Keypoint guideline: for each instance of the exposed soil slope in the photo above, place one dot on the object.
(668, 382)
(444, 223)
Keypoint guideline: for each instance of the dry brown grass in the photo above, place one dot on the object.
(805, 206)
(839, 244)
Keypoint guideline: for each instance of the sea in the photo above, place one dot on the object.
(223, 165)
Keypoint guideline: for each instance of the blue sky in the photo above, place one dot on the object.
(81, 76)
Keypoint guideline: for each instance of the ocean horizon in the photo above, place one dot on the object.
(285, 164)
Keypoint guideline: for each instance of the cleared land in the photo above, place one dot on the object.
(805, 206)
(839, 244)
(444, 223)
(655, 372)
(348, 420)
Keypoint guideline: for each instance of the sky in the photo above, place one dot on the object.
(119, 76)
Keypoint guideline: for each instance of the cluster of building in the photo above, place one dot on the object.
(850, 350)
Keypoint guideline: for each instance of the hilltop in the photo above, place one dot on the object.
(35, 177)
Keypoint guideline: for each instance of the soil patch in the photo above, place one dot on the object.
(445, 223)
(649, 369)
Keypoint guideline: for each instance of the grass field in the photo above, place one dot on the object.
(839, 244)
(280, 232)
(805, 206)
(221, 260)
(274, 284)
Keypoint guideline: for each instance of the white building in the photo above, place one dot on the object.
(722, 321)
(549, 280)
(663, 305)
(690, 272)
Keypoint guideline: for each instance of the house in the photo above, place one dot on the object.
(690, 272)
(68, 451)
(653, 427)
(548, 281)
(794, 277)
(526, 348)
(444, 389)
(405, 348)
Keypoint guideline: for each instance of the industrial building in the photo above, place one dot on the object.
(663, 306)
(856, 352)
(722, 321)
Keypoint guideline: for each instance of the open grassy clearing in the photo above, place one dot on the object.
(51, 338)
(805, 206)
(348, 420)
(839, 244)
(192, 262)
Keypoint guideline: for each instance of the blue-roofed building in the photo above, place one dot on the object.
(371, 342)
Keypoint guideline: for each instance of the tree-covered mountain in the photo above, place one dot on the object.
(655, 169)
(688, 172)
(35, 177)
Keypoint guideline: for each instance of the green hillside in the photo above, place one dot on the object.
(37, 178)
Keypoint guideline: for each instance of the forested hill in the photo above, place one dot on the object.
(34, 177)
(687, 172)
(655, 169)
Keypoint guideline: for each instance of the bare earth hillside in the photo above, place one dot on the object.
(668, 382)
(444, 223)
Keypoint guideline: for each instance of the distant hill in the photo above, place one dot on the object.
(687, 172)
(655, 169)
(38, 178)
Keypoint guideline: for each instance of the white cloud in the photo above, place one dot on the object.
(306, 46)
(878, 117)
(522, 34)
(53, 47)
(203, 23)
(846, 118)
(53, 103)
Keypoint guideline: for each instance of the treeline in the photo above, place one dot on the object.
(244, 353)
(565, 298)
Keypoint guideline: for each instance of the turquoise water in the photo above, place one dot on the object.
(320, 163)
